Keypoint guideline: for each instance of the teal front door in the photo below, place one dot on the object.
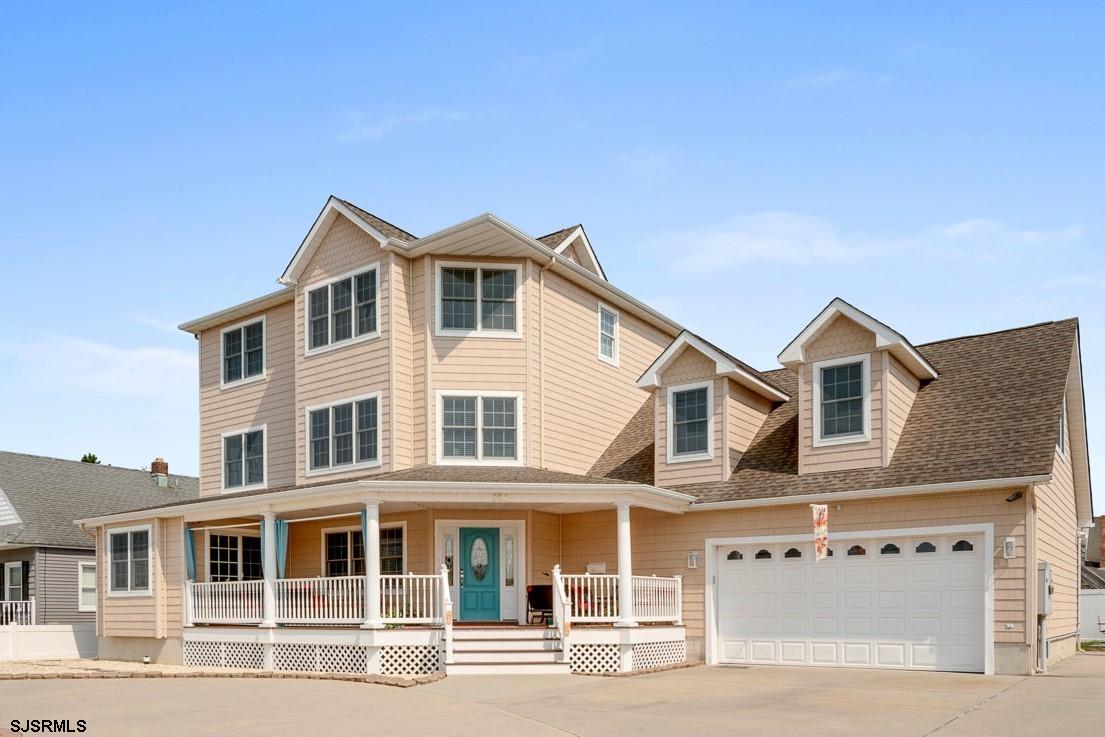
(479, 574)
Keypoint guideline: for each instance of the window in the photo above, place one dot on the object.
(343, 551)
(129, 554)
(690, 423)
(508, 560)
(14, 585)
(344, 435)
(890, 549)
(342, 310)
(857, 550)
(233, 557)
(841, 402)
(1061, 442)
(734, 555)
(86, 586)
(925, 547)
(792, 553)
(244, 458)
(479, 428)
(962, 546)
(243, 350)
(763, 554)
(478, 299)
(608, 335)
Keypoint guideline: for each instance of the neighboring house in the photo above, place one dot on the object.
(47, 563)
(415, 432)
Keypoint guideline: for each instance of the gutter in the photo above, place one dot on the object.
(872, 493)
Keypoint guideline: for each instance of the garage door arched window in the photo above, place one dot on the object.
(925, 547)
(962, 546)
(793, 553)
(857, 550)
(763, 554)
(889, 549)
(734, 555)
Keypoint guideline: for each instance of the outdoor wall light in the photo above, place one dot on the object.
(1014, 496)
(692, 559)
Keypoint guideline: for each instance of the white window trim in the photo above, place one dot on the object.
(226, 533)
(479, 460)
(308, 471)
(479, 332)
(264, 459)
(81, 565)
(17, 565)
(1061, 441)
(865, 371)
(306, 298)
(688, 457)
(617, 334)
(223, 383)
(357, 528)
(130, 592)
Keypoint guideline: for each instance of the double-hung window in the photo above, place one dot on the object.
(608, 335)
(243, 352)
(244, 459)
(86, 586)
(15, 587)
(840, 400)
(342, 310)
(689, 422)
(478, 299)
(479, 428)
(129, 556)
(233, 557)
(343, 551)
(344, 435)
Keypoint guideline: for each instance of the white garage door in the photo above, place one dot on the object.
(878, 602)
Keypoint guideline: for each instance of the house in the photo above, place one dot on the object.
(47, 564)
(419, 446)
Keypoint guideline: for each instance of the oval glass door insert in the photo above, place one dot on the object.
(478, 558)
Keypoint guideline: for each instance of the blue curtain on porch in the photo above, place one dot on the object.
(281, 546)
(190, 553)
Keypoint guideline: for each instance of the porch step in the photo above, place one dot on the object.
(487, 669)
(503, 633)
(514, 644)
(506, 650)
(506, 656)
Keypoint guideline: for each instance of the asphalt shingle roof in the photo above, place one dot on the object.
(50, 493)
(391, 231)
(993, 413)
(554, 239)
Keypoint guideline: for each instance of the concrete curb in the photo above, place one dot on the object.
(397, 681)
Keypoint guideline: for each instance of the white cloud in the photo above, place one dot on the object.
(362, 128)
(76, 365)
(819, 80)
(793, 238)
(153, 322)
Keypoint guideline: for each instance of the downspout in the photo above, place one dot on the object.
(1031, 624)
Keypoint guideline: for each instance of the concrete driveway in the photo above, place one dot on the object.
(707, 701)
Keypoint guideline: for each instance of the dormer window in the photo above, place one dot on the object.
(690, 422)
(841, 400)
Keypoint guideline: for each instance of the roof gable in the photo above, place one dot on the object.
(886, 338)
(573, 239)
(724, 365)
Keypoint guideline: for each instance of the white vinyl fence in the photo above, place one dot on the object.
(48, 641)
(1091, 614)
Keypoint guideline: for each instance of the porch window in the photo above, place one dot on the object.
(243, 352)
(86, 586)
(344, 435)
(478, 299)
(14, 585)
(342, 310)
(344, 551)
(479, 428)
(244, 458)
(129, 554)
(234, 558)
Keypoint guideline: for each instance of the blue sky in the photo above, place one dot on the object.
(942, 166)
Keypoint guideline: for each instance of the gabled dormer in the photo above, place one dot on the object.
(709, 407)
(857, 380)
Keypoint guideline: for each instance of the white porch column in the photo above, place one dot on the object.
(268, 569)
(625, 569)
(372, 619)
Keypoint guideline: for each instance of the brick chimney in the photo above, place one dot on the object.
(159, 469)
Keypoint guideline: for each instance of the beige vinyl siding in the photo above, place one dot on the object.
(901, 389)
(421, 274)
(543, 530)
(129, 616)
(401, 363)
(269, 401)
(306, 552)
(587, 401)
(745, 413)
(1057, 543)
(661, 542)
(840, 338)
(691, 366)
(350, 370)
(172, 575)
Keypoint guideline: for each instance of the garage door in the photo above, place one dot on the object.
(877, 602)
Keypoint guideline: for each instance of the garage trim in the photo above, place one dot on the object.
(985, 528)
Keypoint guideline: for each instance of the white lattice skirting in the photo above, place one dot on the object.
(393, 660)
(288, 656)
(656, 654)
(595, 659)
(247, 655)
(408, 660)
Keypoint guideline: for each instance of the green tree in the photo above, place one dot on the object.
(90, 458)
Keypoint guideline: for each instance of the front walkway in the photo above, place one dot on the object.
(695, 701)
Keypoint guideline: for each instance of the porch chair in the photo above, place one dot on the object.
(539, 602)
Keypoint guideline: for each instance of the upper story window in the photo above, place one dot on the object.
(479, 428)
(608, 334)
(344, 435)
(480, 300)
(342, 310)
(243, 352)
(129, 555)
(244, 459)
(690, 422)
(841, 401)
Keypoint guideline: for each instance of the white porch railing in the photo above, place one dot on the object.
(562, 614)
(330, 600)
(17, 612)
(411, 599)
(226, 602)
(657, 599)
(593, 597)
(447, 612)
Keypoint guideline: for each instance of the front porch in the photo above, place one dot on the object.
(398, 588)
